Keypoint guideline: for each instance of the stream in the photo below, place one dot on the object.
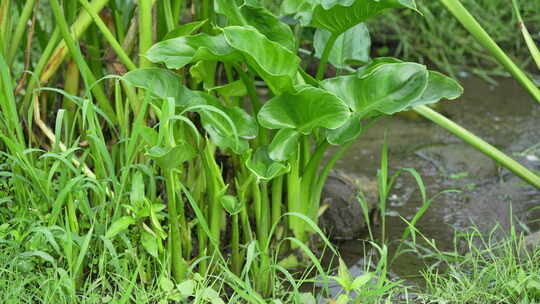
(506, 117)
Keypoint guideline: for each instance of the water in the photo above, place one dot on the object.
(505, 116)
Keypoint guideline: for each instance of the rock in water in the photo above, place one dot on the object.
(343, 218)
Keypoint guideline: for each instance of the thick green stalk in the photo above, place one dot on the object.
(145, 31)
(325, 55)
(19, 30)
(277, 199)
(109, 36)
(179, 266)
(293, 198)
(470, 23)
(169, 18)
(71, 86)
(235, 246)
(215, 186)
(480, 144)
(5, 25)
(88, 77)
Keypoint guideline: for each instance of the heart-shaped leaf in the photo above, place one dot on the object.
(284, 144)
(172, 157)
(177, 52)
(162, 84)
(353, 46)
(439, 86)
(272, 62)
(231, 204)
(264, 167)
(337, 16)
(305, 110)
(388, 89)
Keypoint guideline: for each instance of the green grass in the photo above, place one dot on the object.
(481, 269)
(439, 39)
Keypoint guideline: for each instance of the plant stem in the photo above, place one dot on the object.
(169, 18)
(145, 31)
(325, 55)
(19, 30)
(215, 185)
(78, 28)
(480, 144)
(470, 23)
(235, 245)
(277, 199)
(293, 198)
(109, 36)
(319, 184)
(88, 77)
(179, 266)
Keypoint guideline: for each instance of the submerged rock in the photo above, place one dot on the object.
(343, 217)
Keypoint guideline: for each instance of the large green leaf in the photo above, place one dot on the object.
(439, 87)
(305, 110)
(177, 52)
(337, 16)
(387, 89)
(272, 62)
(353, 46)
(162, 84)
(264, 167)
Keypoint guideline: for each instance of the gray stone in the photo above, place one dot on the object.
(343, 217)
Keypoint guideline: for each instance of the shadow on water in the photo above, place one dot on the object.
(506, 117)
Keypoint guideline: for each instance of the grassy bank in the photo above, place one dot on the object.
(439, 39)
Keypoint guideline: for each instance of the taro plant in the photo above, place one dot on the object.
(276, 147)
